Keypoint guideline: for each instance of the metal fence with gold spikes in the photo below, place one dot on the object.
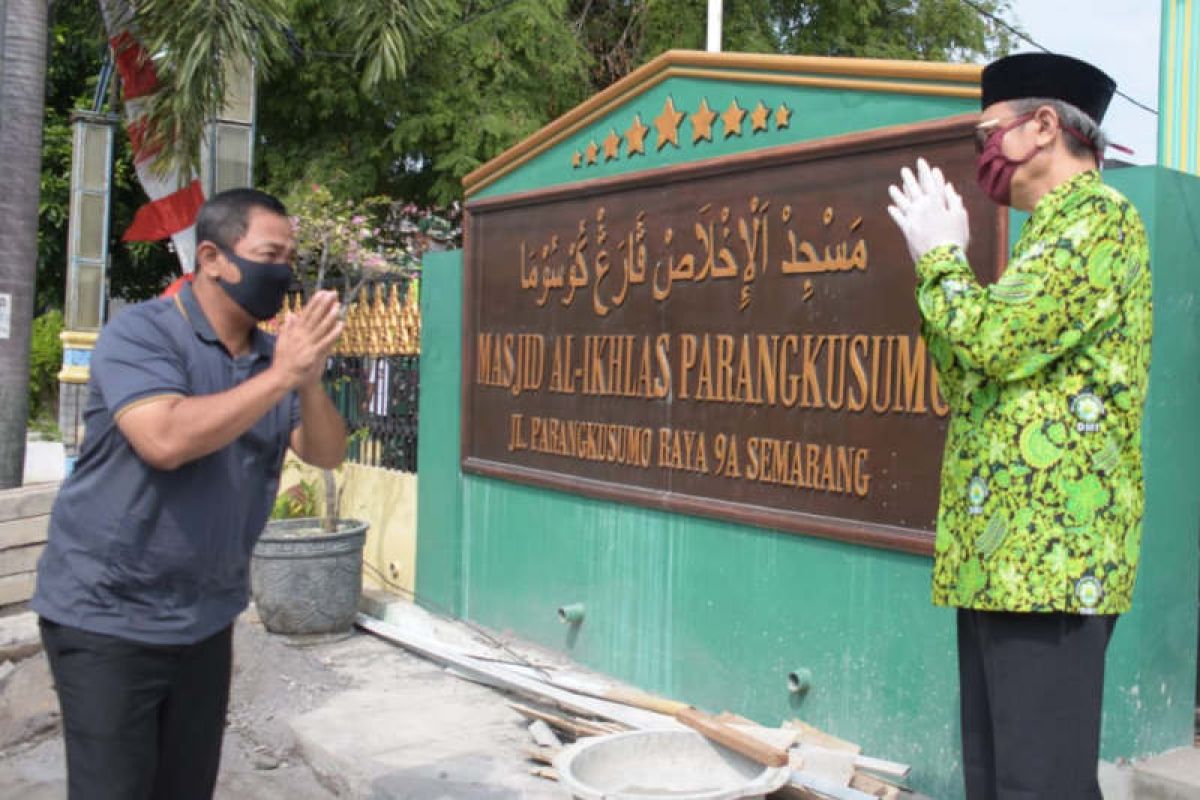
(377, 395)
(383, 319)
(374, 373)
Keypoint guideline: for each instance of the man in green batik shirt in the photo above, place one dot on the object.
(1045, 371)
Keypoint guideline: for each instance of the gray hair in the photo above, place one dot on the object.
(1069, 116)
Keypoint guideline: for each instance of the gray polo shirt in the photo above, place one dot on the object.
(153, 555)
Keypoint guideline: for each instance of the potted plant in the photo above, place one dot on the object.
(306, 572)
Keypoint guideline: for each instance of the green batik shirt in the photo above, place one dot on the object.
(1045, 372)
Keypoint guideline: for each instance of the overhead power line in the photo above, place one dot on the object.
(985, 13)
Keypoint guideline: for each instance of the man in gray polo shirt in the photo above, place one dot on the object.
(190, 409)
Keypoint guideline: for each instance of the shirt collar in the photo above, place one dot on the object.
(1053, 199)
(261, 345)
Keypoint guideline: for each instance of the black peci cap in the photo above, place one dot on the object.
(1048, 75)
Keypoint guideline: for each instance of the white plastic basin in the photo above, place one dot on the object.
(651, 765)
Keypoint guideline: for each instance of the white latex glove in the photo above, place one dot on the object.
(928, 210)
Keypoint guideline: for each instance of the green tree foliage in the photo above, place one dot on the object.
(488, 74)
(932, 30)
(316, 124)
(748, 26)
(623, 34)
(45, 361)
(387, 31)
(496, 73)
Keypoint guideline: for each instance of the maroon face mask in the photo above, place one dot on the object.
(994, 170)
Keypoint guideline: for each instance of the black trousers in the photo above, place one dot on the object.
(1031, 686)
(140, 721)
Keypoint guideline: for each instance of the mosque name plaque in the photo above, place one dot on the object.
(735, 339)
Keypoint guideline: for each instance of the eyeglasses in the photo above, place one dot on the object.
(985, 129)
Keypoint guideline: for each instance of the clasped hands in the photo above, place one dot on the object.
(306, 339)
(928, 210)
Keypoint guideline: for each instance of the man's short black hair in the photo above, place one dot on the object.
(224, 217)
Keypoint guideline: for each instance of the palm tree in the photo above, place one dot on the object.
(193, 40)
(22, 95)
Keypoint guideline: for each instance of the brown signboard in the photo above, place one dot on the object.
(736, 338)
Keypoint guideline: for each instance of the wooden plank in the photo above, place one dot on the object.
(607, 691)
(574, 726)
(15, 560)
(16, 588)
(875, 786)
(27, 501)
(782, 738)
(18, 532)
(734, 739)
(542, 755)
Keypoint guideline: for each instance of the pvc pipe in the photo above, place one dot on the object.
(799, 680)
(571, 614)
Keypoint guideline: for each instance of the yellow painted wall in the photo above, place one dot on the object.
(387, 501)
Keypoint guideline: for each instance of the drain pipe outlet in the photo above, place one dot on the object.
(799, 680)
(571, 614)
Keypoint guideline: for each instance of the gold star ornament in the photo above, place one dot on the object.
(635, 137)
(702, 122)
(732, 118)
(612, 145)
(759, 117)
(667, 125)
(783, 116)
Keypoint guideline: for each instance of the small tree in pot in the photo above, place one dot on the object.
(306, 574)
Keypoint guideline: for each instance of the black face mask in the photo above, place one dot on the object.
(262, 288)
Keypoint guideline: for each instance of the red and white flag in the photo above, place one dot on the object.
(171, 211)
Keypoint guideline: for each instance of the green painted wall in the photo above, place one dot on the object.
(1151, 688)
(719, 614)
(439, 482)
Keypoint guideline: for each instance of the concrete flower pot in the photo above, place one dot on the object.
(305, 581)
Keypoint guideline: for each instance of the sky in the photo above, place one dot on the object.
(1120, 37)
